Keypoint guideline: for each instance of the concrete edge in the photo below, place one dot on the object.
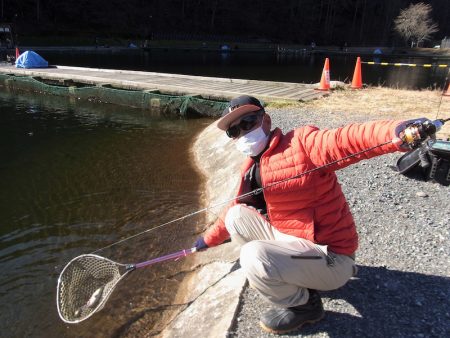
(213, 292)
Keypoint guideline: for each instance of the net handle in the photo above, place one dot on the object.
(172, 256)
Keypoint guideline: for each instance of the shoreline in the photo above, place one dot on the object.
(211, 293)
(236, 47)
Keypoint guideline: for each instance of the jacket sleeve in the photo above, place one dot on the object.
(217, 233)
(326, 146)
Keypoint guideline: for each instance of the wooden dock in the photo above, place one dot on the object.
(174, 84)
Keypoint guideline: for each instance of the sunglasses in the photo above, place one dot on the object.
(246, 124)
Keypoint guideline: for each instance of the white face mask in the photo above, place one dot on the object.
(253, 143)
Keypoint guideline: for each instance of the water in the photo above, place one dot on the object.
(303, 68)
(75, 177)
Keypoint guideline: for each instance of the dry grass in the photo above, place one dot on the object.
(378, 102)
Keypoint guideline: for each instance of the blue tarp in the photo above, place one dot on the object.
(30, 59)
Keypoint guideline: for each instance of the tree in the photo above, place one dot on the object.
(414, 23)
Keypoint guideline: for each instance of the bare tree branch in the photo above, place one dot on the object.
(414, 23)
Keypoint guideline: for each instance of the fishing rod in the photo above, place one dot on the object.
(446, 84)
(413, 135)
(87, 281)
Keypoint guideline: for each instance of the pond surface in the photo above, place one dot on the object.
(76, 177)
(288, 67)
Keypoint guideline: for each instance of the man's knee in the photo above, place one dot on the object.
(233, 214)
(245, 224)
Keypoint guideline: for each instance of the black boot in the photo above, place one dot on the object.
(286, 320)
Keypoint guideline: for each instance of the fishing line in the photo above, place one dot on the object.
(253, 192)
(446, 82)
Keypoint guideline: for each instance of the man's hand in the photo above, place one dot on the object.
(200, 244)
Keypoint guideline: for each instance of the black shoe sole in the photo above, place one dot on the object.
(270, 330)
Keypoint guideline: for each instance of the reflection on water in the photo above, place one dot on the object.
(75, 178)
(289, 67)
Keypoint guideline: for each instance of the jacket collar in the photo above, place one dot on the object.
(274, 140)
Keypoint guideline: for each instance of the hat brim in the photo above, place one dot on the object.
(225, 121)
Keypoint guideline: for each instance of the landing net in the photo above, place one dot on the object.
(84, 286)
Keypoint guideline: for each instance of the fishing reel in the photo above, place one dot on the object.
(417, 132)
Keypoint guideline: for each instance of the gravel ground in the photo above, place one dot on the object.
(403, 287)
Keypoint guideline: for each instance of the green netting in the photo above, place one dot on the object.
(154, 101)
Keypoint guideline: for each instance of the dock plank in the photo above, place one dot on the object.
(175, 84)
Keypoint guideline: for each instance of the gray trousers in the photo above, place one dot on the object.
(282, 267)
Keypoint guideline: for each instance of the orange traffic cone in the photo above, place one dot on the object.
(17, 53)
(447, 92)
(325, 79)
(357, 78)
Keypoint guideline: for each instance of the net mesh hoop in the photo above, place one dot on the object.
(105, 295)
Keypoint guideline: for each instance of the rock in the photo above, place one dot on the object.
(421, 194)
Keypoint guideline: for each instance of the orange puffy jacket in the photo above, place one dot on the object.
(313, 206)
